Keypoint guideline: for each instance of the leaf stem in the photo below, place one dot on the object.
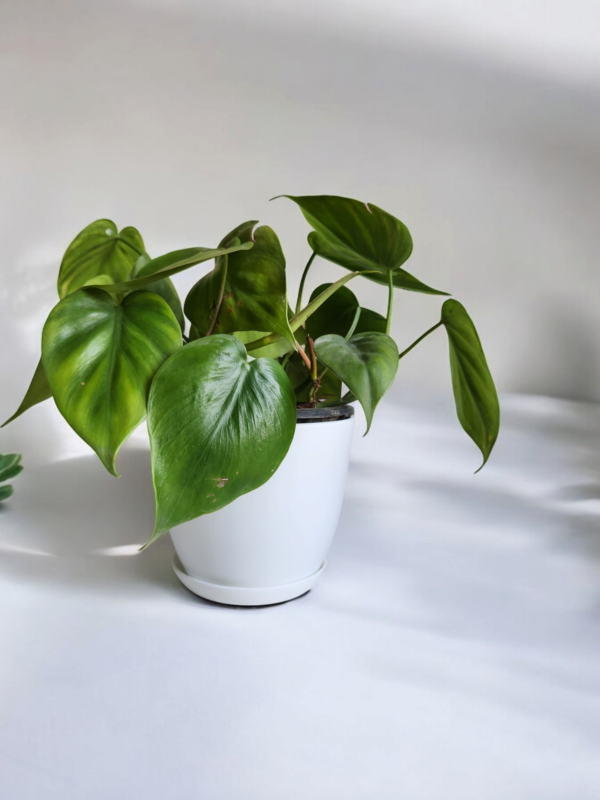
(354, 323)
(219, 300)
(390, 308)
(302, 280)
(304, 358)
(420, 339)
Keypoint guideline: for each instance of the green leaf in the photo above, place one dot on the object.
(6, 492)
(10, 466)
(475, 395)
(367, 364)
(164, 288)
(39, 390)
(370, 322)
(219, 427)
(254, 297)
(99, 250)
(170, 264)
(360, 236)
(336, 315)
(100, 359)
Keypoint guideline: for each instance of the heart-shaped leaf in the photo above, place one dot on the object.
(100, 249)
(360, 236)
(219, 427)
(164, 288)
(475, 395)
(171, 263)
(10, 467)
(367, 364)
(100, 358)
(254, 291)
(39, 390)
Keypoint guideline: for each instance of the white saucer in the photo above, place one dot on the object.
(244, 595)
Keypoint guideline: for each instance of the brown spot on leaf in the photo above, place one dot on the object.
(221, 482)
(211, 495)
(229, 310)
(83, 383)
(239, 302)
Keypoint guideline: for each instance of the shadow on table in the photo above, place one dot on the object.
(71, 523)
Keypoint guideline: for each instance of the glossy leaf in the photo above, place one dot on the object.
(475, 395)
(99, 250)
(170, 264)
(38, 391)
(360, 236)
(367, 364)
(10, 466)
(219, 427)
(100, 358)
(254, 297)
(164, 288)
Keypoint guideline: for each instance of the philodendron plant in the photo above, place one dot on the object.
(221, 401)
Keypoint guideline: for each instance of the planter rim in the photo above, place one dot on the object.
(323, 414)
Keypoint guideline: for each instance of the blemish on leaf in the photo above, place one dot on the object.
(239, 302)
(368, 209)
(214, 501)
(229, 294)
(229, 310)
(211, 495)
(221, 482)
(83, 383)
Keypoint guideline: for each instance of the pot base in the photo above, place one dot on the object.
(245, 595)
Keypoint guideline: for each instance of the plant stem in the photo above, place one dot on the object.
(420, 339)
(388, 321)
(219, 301)
(302, 280)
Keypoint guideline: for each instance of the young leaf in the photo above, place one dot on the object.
(254, 295)
(475, 395)
(100, 249)
(163, 288)
(219, 427)
(170, 264)
(100, 358)
(360, 236)
(367, 364)
(39, 390)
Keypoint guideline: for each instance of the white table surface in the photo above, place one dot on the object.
(451, 651)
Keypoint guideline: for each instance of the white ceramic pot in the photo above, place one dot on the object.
(271, 545)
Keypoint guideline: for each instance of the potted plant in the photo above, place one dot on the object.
(250, 404)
